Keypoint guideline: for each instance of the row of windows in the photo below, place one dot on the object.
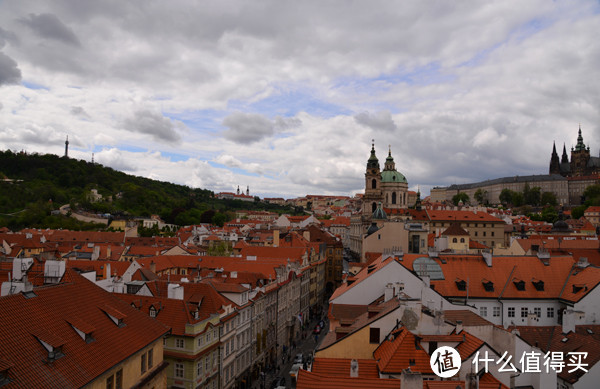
(524, 312)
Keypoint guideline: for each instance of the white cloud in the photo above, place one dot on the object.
(288, 101)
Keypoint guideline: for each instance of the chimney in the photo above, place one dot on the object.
(411, 380)
(275, 238)
(459, 326)
(568, 321)
(472, 381)
(108, 252)
(107, 271)
(389, 292)
(96, 253)
(354, 368)
(153, 267)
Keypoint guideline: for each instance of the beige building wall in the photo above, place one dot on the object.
(391, 234)
(131, 370)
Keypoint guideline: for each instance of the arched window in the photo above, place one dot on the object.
(454, 240)
(393, 197)
(462, 240)
(374, 207)
(374, 184)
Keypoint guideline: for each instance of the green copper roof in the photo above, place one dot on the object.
(373, 162)
(379, 213)
(392, 176)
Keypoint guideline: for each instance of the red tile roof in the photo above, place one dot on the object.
(340, 367)
(50, 315)
(401, 351)
(309, 380)
(551, 338)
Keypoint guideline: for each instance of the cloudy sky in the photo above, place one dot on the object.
(285, 96)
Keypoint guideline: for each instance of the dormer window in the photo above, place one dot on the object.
(538, 285)
(114, 315)
(520, 284)
(152, 311)
(488, 285)
(51, 343)
(461, 284)
(83, 329)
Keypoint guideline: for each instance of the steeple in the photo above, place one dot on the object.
(554, 162)
(389, 161)
(373, 162)
(248, 190)
(565, 157)
(580, 145)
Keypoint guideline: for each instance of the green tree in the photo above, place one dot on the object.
(548, 198)
(577, 212)
(531, 196)
(591, 195)
(481, 196)
(506, 196)
(517, 199)
(461, 196)
(220, 219)
(549, 214)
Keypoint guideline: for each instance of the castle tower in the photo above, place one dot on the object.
(580, 156)
(67, 147)
(248, 190)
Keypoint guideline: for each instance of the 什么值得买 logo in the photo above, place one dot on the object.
(445, 362)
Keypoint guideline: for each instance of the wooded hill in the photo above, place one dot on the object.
(32, 185)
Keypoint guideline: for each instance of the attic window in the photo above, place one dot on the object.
(578, 288)
(538, 285)
(152, 312)
(461, 284)
(83, 329)
(564, 340)
(114, 315)
(488, 286)
(520, 284)
(589, 331)
(371, 268)
(52, 344)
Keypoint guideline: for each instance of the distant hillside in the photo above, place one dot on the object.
(32, 185)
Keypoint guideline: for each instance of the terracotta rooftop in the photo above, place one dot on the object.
(401, 351)
(50, 314)
(309, 380)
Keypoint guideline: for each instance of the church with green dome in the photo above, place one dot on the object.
(388, 187)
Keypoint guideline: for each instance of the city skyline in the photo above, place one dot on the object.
(286, 98)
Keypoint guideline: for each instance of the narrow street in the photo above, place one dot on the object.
(304, 346)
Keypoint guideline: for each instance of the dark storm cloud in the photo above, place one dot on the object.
(247, 127)
(79, 111)
(9, 72)
(153, 123)
(381, 120)
(49, 26)
(6, 36)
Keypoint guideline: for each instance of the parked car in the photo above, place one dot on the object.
(298, 358)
